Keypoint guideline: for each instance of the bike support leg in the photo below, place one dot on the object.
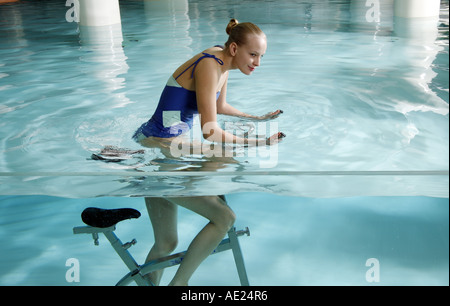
(238, 257)
(129, 261)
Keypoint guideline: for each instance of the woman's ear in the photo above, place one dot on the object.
(233, 48)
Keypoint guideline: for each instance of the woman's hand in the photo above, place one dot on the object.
(275, 138)
(270, 116)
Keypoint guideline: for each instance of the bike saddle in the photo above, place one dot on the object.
(98, 217)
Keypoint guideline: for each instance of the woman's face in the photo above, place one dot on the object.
(248, 56)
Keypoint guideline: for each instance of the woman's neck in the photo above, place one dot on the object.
(228, 60)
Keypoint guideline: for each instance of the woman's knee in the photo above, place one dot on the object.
(232, 219)
(226, 219)
(223, 216)
(167, 245)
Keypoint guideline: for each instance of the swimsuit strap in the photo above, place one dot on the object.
(205, 55)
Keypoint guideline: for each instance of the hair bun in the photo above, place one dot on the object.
(233, 22)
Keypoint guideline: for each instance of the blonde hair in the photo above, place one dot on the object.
(238, 32)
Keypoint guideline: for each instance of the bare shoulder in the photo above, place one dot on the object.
(213, 49)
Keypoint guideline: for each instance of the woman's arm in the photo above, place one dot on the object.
(224, 108)
(206, 79)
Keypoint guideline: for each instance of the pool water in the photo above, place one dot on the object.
(357, 96)
(293, 241)
(362, 173)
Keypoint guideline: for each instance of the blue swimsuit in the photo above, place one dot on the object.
(176, 109)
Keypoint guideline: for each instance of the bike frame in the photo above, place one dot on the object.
(137, 271)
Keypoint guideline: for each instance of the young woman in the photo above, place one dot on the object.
(200, 86)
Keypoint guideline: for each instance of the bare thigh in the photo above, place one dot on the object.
(213, 208)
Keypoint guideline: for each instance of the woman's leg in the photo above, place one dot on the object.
(221, 217)
(163, 216)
